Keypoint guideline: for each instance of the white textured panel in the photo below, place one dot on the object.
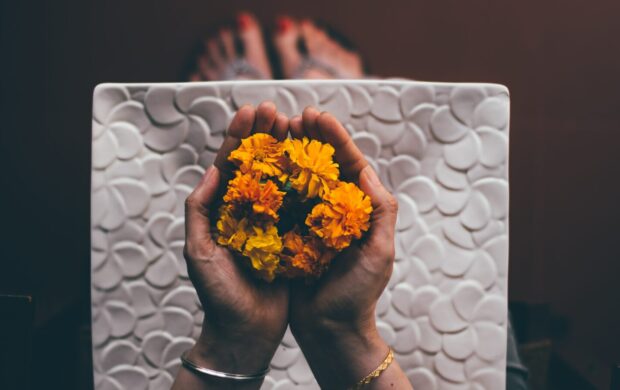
(440, 148)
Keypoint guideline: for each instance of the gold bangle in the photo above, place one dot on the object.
(377, 371)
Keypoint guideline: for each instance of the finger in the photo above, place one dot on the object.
(309, 117)
(240, 127)
(280, 127)
(385, 208)
(296, 127)
(265, 117)
(348, 156)
(197, 227)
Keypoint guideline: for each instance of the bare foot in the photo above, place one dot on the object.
(307, 51)
(235, 54)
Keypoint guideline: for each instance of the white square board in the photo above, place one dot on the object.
(442, 149)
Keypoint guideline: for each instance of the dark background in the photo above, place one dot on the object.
(560, 60)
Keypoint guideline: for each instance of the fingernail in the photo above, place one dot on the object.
(243, 21)
(372, 177)
(283, 24)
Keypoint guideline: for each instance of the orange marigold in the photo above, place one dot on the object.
(344, 215)
(246, 192)
(259, 152)
(232, 232)
(303, 256)
(313, 170)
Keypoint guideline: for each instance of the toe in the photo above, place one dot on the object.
(214, 51)
(207, 69)
(240, 127)
(285, 42)
(329, 52)
(228, 43)
(265, 117)
(280, 126)
(309, 117)
(314, 37)
(348, 156)
(251, 39)
(319, 47)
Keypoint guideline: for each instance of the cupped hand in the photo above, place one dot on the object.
(334, 319)
(349, 290)
(245, 318)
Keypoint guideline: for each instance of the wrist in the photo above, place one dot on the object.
(343, 337)
(236, 355)
(341, 354)
(307, 322)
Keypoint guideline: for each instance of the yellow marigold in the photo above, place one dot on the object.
(344, 215)
(247, 193)
(263, 248)
(259, 153)
(303, 256)
(313, 170)
(232, 232)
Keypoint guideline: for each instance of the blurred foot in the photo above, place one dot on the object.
(235, 54)
(307, 51)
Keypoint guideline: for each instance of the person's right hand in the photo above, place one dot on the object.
(333, 320)
(245, 318)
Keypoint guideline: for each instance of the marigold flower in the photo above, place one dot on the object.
(259, 153)
(344, 215)
(302, 256)
(305, 170)
(232, 232)
(247, 194)
(263, 247)
(313, 170)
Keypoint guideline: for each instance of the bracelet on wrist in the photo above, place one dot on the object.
(376, 372)
(195, 368)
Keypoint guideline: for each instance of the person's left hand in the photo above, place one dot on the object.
(339, 309)
(245, 318)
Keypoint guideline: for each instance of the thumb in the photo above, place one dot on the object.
(385, 207)
(197, 226)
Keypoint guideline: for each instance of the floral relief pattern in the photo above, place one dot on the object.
(441, 149)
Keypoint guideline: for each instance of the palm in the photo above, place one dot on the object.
(359, 274)
(228, 293)
(352, 286)
(239, 298)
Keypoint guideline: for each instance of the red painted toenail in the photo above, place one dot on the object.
(283, 24)
(243, 21)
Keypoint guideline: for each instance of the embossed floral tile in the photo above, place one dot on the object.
(442, 149)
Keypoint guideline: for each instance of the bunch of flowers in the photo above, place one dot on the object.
(286, 210)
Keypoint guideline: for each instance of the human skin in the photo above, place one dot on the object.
(333, 320)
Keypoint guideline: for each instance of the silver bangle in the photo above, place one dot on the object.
(225, 375)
